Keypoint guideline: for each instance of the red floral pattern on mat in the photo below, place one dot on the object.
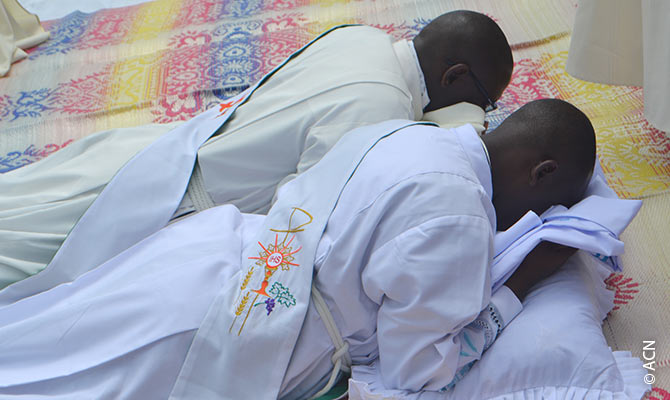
(81, 96)
(4, 106)
(658, 394)
(189, 38)
(285, 21)
(285, 4)
(528, 83)
(199, 12)
(276, 46)
(624, 288)
(108, 28)
(184, 70)
(17, 159)
(399, 31)
(180, 107)
(656, 148)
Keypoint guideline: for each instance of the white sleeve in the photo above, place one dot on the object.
(479, 335)
(430, 281)
(366, 382)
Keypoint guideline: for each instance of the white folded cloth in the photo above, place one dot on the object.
(19, 30)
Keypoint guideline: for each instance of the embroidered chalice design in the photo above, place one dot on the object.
(272, 258)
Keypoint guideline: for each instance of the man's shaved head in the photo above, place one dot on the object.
(541, 155)
(456, 45)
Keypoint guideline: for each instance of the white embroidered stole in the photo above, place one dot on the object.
(244, 345)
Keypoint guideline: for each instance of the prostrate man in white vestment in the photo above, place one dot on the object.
(393, 228)
(350, 77)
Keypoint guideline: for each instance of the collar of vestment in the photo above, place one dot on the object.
(478, 155)
(413, 75)
(457, 115)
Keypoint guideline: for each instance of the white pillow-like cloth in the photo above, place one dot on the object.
(554, 349)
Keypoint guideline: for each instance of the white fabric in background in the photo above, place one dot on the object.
(625, 42)
(53, 9)
(19, 30)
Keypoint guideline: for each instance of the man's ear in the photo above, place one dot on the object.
(454, 72)
(542, 170)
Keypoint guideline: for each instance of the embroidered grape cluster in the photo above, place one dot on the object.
(269, 305)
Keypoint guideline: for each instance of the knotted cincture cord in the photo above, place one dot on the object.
(340, 358)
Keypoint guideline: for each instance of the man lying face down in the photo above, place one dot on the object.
(381, 250)
(526, 179)
(349, 77)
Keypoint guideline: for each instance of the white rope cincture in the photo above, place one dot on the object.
(340, 358)
(197, 191)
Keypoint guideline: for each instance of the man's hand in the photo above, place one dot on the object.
(543, 261)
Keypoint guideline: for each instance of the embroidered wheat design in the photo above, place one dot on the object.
(239, 309)
(245, 282)
(242, 305)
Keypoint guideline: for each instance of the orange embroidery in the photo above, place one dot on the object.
(223, 107)
(273, 257)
